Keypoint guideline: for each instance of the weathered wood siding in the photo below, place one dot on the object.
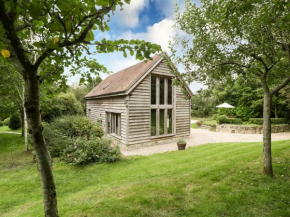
(139, 110)
(99, 107)
(182, 113)
(139, 113)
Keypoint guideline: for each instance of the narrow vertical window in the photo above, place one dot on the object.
(169, 92)
(89, 113)
(108, 122)
(117, 123)
(153, 122)
(162, 90)
(161, 122)
(153, 89)
(169, 121)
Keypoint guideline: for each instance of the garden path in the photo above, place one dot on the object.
(202, 136)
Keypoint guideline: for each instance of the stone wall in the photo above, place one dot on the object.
(244, 129)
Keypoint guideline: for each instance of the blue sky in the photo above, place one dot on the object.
(149, 20)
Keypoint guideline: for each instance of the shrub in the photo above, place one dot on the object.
(234, 121)
(63, 104)
(214, 117)
(84, 151)
(181, 141)
(15, 122)
(65, 130)
(222, 119)
(259, 121)
(225, 120)
(6, 122)
(1, 123)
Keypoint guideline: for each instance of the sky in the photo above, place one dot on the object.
(149, 20)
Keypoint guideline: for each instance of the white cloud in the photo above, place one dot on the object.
(129, 17)
(160, 33)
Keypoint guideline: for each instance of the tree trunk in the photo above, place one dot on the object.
(32, 107)
(22, 121)
(267, 156)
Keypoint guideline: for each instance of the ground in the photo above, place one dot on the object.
(222, 179)
(202, 136)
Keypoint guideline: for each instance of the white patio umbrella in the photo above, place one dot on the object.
(225, 105)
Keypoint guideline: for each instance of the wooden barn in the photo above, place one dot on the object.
(140, 106)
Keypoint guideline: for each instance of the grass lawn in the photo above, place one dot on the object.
(194, 126)
(7, 129)
(208, 180)
(211, 123)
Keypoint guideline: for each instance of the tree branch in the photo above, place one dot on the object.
(21, 27)
(279, 87)
(7, 21)
(78, 40)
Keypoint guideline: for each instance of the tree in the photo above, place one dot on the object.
(61, 32)
(233, 37)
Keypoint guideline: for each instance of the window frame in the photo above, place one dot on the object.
(164, 106)
(113, 118)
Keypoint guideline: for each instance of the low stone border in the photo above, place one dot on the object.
(244, 129)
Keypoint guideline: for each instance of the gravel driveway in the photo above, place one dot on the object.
(202, 136)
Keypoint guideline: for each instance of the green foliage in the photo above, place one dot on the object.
(226, 111)
(62, 104)
(6, 121)
(259, 121)
(15, 122)
(232, 60)
(84, 151)
(202, 104)
(223, 119)
(63, 131)
(215, 116)
(1, 123)
(181, 141)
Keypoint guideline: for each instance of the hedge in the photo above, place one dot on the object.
(259, 121)
(223, 119)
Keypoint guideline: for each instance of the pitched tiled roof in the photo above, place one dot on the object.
(121, 81)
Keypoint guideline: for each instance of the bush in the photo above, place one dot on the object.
(84, 151)
(6, 122)
(15, 122)
(215, 117)
(259, 121)
(63, 104)
(225, 120)
(222, 119)
(63, 131)
(1, 123)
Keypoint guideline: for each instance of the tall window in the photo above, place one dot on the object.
(114, 123)
(161, 106)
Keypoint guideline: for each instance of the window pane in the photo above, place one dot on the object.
(162, 89)
(169, 99)
(117, 123)
(108, 122)
(153, 89)
(153, 122)
(161, 122)
(169, 121)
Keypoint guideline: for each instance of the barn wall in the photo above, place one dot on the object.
(139, 110)
(139, 113)
(182, 113)
(99, 107)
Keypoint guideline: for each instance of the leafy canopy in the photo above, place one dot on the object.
(53, 34)
(233, 37)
